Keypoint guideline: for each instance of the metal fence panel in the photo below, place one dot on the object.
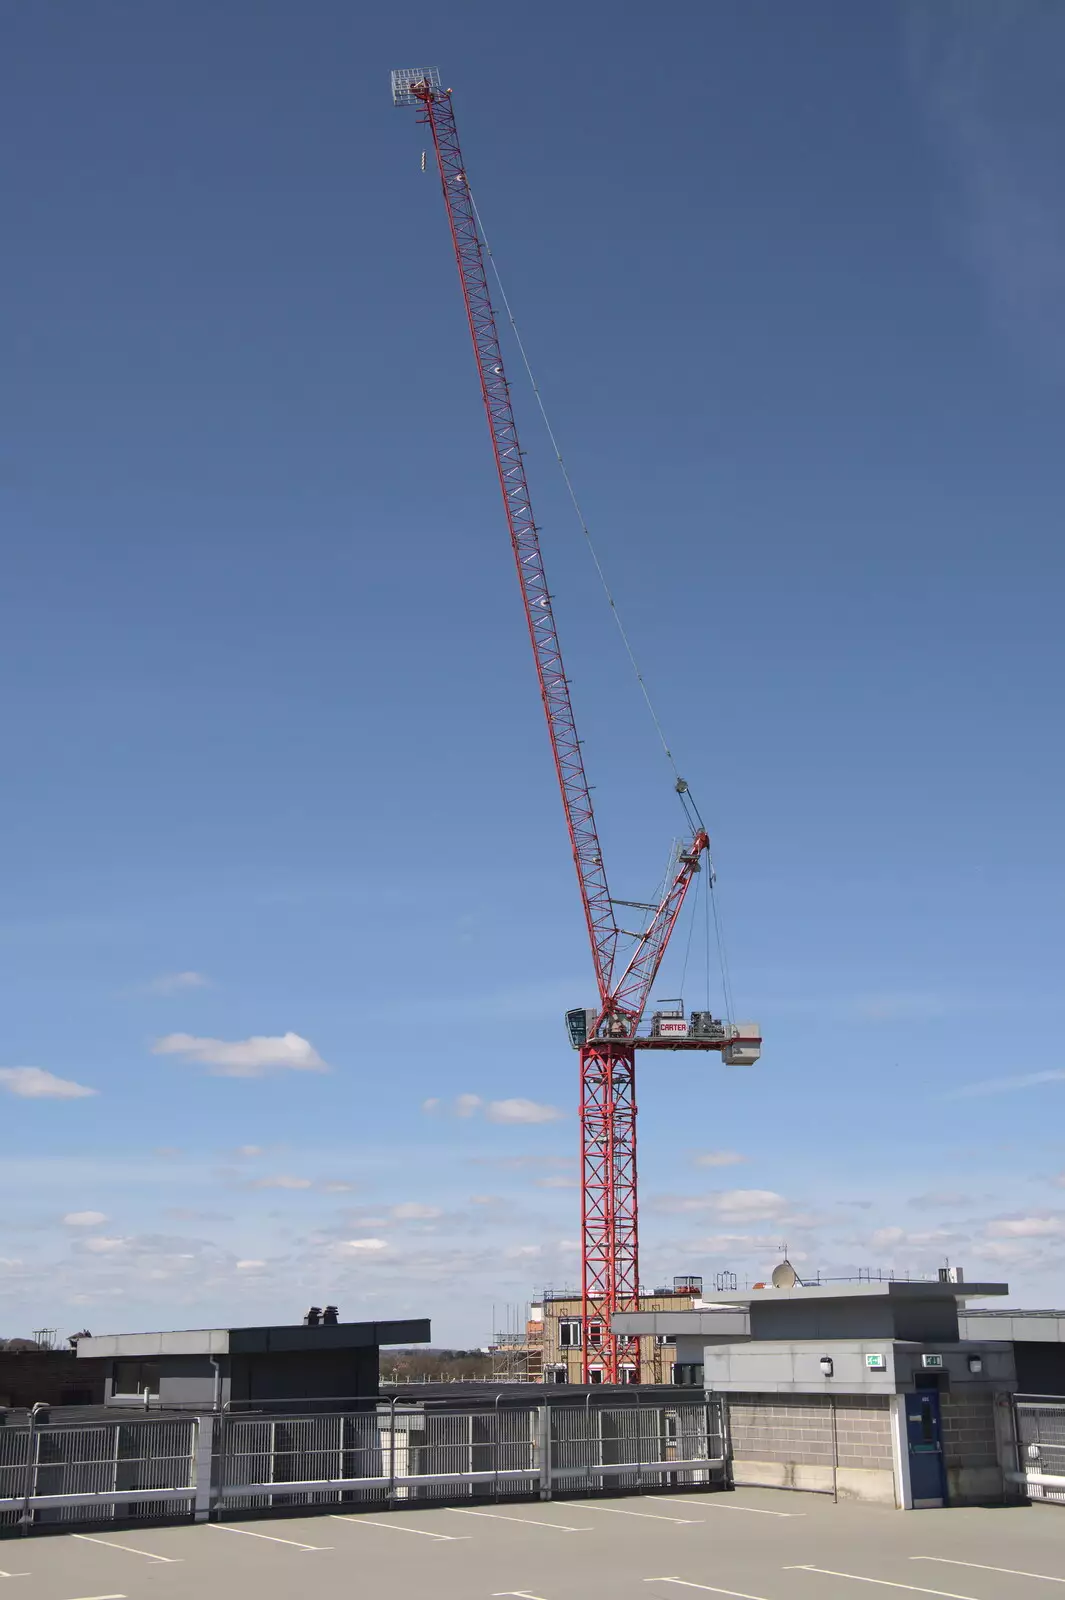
(1040, 1432)
(379, 1451)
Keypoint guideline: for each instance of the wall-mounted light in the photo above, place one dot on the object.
(976, 1363)
(826, 1366)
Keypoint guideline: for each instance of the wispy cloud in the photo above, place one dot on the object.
(719, 1158)
(176, 983)
(1025, 1080)
(244, 1058)
(33, 1083)
(84, 1219)
(734, 1205)
(500, 1111)
(987, 78)
(283, 1180)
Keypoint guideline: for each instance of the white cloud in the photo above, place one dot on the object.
(250, 1266)
(1025, 1227)
(33, 1083)
(363, 1246)
(244, 1058)
(557, 1180)
(177, 982)
(719, 1158)
(503, 1111)
(523, 1252)
(248, 1150)
(1025, 1080)
(732, 1205)
(337, 1187)
(412, 1211)
(282, 1180)
(101, 1246)
(515, 1111)
(84, 1219)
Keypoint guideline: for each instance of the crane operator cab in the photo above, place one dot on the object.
(740, 1043)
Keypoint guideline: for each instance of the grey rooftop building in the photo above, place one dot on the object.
(212, 1368)
(882, 1390)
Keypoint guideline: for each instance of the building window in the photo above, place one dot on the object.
(628, 1374)
(560, 1375)
(663, 1339)
(134, 1377)
(688, 1374)
(595, 1333)
(595, 1375)
(569, 1333)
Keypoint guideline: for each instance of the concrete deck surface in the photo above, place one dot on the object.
(754, 1544)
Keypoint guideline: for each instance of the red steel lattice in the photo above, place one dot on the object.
(609, 1239)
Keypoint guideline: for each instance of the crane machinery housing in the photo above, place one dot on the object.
(608, 1034)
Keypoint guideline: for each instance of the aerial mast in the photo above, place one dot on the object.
(625, 964)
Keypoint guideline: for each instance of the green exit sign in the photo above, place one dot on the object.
(878, 1363)
(931, 1361)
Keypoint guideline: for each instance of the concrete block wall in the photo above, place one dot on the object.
(788, 1441)
(971, 1452)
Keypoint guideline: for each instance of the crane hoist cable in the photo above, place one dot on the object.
(687, 800)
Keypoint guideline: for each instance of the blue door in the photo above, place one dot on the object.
(924, 1434)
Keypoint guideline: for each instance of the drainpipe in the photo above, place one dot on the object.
(216, 1404)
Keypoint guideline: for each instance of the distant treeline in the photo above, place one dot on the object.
(418, 1366)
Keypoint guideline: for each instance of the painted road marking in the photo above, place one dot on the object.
(223, 1527)
(756, 1511)
(885, 1583)
(686, 1583)
(518, 1594)
(100, 1596)
(563, 1527)
(401, 1527)
(15, 1574)
(131, 1549)
(1014, 1572)
(615, 1511)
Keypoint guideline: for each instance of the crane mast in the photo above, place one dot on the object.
(608, 1037)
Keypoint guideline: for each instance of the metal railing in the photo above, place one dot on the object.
(1039, 1431)
(390, 1452)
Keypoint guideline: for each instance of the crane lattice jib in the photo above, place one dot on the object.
(495, 391)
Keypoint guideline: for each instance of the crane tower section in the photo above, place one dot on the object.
(626, 964)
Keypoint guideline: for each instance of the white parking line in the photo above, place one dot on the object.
(686, 1583)
(497, 1516)
(401, 1527)
(885, 1583)
(1013, 1572)
(615, 1511)
(223, 1527)
(518, 1594)
(88, 1596)
(15, 1574)
(706, 1505)
(131, 1549)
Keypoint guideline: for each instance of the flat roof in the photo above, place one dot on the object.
(894, 1289)
(258, 1341)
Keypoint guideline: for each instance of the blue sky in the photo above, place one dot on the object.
(283, 859)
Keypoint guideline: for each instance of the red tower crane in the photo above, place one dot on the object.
(609, 1034)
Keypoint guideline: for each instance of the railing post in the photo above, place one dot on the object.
(543, 1419)
(392, 1456)
(29, 1484)
(202, 1467)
